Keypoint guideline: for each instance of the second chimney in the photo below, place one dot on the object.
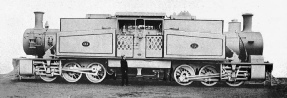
(39, 20)
(247, 22)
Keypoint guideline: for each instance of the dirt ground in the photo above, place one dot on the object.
(14, 88)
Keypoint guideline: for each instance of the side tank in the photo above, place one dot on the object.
(37, 40)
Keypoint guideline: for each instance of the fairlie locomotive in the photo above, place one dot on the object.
(179, 47)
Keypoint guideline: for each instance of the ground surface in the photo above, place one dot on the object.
(13, 88)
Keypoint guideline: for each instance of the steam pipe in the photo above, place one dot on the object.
(247, 22)
(39, 20)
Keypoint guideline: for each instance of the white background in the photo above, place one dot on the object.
(270, 18)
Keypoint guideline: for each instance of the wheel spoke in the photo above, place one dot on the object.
(181, 72)
(94, 76)
(207, 70)
(75, 76)
(97, 74)
(72, 76)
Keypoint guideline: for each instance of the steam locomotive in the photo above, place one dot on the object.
(179, 47)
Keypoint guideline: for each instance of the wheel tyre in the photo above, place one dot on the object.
(234, 84)
(48, 79)
(181, 72)
(71, 76)
(100, 74)
(211, 68)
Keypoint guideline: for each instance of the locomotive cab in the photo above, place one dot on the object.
(139, 35)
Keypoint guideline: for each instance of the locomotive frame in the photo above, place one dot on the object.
(178, 47)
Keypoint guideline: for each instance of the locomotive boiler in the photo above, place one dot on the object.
(179, 47)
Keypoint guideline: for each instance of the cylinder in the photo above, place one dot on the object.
(39, 20)
(247, 22)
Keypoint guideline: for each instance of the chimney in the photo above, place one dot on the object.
(247, 22)
(39, 20)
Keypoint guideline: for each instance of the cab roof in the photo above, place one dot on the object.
(139, 14)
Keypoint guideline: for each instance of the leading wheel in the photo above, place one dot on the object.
(181, 74)
(48, 78)
(208, 70)
(97, 73)
(71, 76)
(234, 83)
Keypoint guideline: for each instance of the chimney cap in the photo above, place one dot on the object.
(39, 12)
(247, 14)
